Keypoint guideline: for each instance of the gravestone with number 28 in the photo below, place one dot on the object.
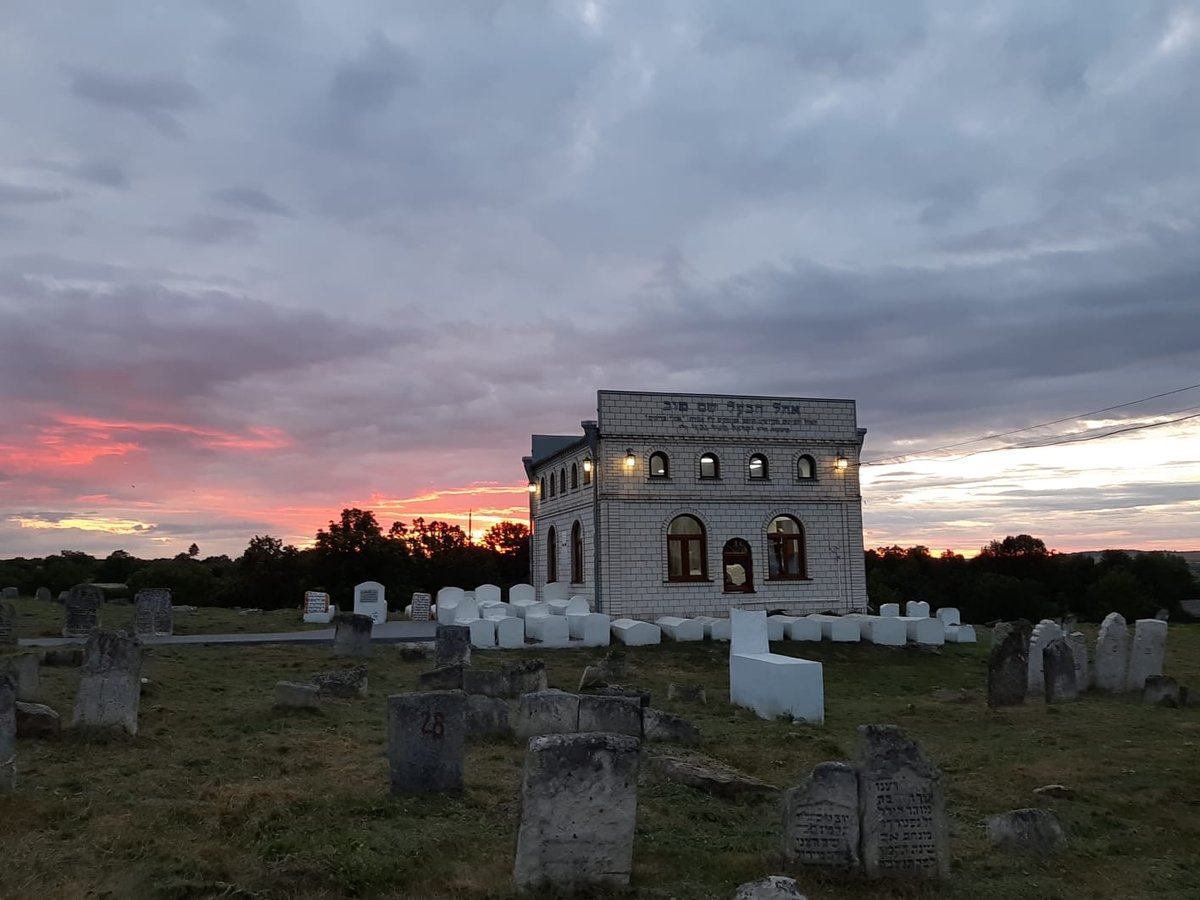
(426, 742)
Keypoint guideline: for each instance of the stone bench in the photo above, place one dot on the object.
(769, 683)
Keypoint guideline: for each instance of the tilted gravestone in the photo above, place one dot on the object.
(8, 624)
(152, 612)
(43, 594)
(1058, 671)
(8, 733)
(110, 684)
(902, 807)
(1043, 633)
(352, 635)
(82, 610)
(1008, 664)
(1147, 653)
(1112, 654)
(820, 818)
(578, 811)
(427, 735)
(452, 646)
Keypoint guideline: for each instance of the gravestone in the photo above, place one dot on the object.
(317, 609)
(578, 812)
(370, 599)
(487, 717)
(1058, 671)
(1043, 633)
(1146, 654)
(8, 734)
(664, 726)
(547, 712)
(110, 684)
(352, 635)
(773, 887)
(10, 593)
(1008, 664)
(1034, 832)
(419, 612)
(1079, 648)
(26, 674)
(820, 818)
(902, 807)
(8, 624)
(347, 683)
(1162, 690)
(427, 735)
(452, 646)
(152, 612)
(82, 609)
(619, 715)
(1112, 654)
(43, 594)
(294, 695)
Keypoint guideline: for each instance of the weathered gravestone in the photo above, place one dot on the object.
(578, 811)
(487, 717)
(345, 683)
(1008, 664)
(1146, 654)
(1079, 648)
(1162, 690)
(110, 685)
(547, 712)
(82, 610)
(1034, 832)
(8, 624)
(10, 593)
(1112, 654)
(1043, 633)
(773, 887)
(452, 646)
(419, 611)
(427, 735)
(902, 807)
(1058, 671)
(8, 733)
(352, 635)
(26, 674)
(820, 818)
(152, 613)
(618, 715)
(294, 695)
(43, 594)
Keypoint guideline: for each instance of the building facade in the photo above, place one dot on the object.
(689, 504)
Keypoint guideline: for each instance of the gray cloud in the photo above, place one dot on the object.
(155, 100)
(18, 194)
(206, 229)
(251, 200)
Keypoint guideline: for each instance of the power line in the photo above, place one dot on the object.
(988, 437)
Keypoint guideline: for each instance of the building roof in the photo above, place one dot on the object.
(547, 445)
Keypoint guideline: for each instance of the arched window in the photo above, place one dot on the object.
(806, 468)
(785, 550)
(577, 553)
(685, 550)
(659, 466)
(574, 476)
(758, 466)
(553, 483)
(562, 481)
(542, 492)
(587, 472)
(710, 466)
(736, 563)
(551, 555)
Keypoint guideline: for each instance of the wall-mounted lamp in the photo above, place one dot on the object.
(841, 462)
(630, 459)
(587, 464)
(533, 487)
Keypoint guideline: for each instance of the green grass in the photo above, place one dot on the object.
(219, 795)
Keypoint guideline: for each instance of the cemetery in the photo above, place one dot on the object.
(1056, 760)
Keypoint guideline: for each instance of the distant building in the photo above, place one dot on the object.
(689, 504)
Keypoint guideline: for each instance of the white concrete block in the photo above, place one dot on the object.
(889, 609)
(446, 612)
(930, 632)
(487, 593)
(495, 611)
(483, 633)
(522, 591)
(916, 609)
(949, 615)
(578, 606)
(510, 632)
(467, 610)
(522, 608)
(960, 634)
(557, 590)
(557, 607)
(633, 633)
(450, 595)
(777, 626)
(319, 618)
(679, 629)
(769, 683)
(551, 631)
(839, 628)
(887, 631)
(591, 628)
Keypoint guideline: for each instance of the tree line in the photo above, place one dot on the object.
(1010, 578)
(418, 556)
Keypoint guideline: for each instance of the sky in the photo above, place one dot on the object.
(262, 261)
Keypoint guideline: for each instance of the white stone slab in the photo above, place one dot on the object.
(839, 628)
(522, 591)
(557, 607)
(633, 633)
(1147, 652)
(949, 615)
(679, 629)
(923, 630)
(449, 595)
(1112, 654)
(960, 634)
(483, 633)
(467, 610)
(769, 683)
(370, 599)
(557, 590)
(510, 632)
(889, 609)
(774, 629)
(448, 599)
(883, 631)
(781, 625)
(320, 618)
(591, 628)
(916, 609)
(521, 608)
(495, 611)
(488, 593)
(552, 631)
(1043, 633)
(804, 629)
(578, 606)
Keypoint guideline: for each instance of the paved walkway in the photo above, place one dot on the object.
(387, 633)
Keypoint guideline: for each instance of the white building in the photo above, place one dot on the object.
(689, 504)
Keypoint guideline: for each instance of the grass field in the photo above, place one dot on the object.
(219, 795)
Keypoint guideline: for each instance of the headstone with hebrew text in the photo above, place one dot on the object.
(370, 599)
(820, 818)
(82, 610)
(152, 613)
(419, 612)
